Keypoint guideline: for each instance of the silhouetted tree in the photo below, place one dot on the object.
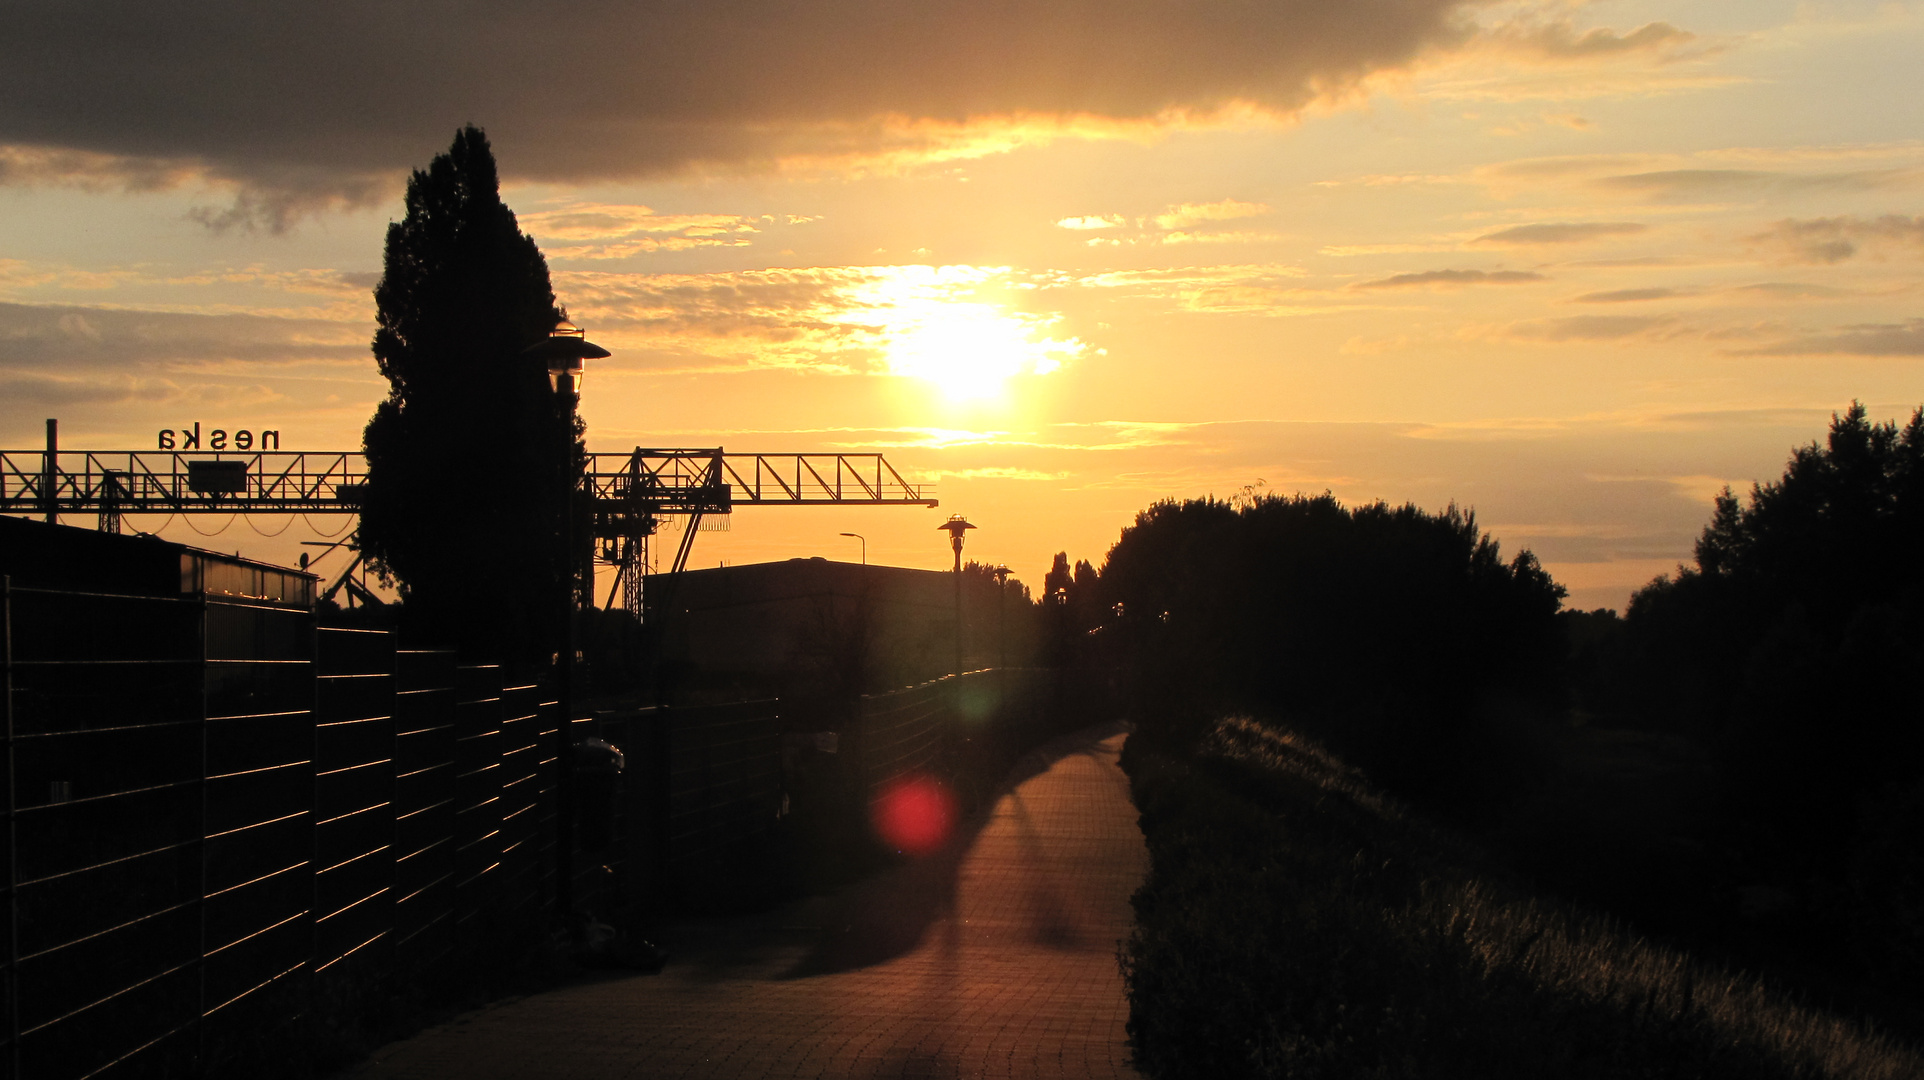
(999, 618)
(1794, 642)
(466, 455)
(1400, 635)
(1074, 608)
(1059, 577)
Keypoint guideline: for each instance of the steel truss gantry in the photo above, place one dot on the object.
(631, 496)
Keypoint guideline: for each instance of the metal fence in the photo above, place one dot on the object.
(159, 779)
(225, 828)
(228, 831)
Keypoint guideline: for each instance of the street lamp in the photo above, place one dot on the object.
(563, 351)
(864, 541)
(1001, 573)
(956, 526)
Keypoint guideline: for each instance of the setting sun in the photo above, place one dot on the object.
(937, 326)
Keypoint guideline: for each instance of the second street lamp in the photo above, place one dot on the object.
(1001, 573)
(864, 541)
(956, 526)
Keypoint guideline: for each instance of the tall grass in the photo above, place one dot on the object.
(1296, 922)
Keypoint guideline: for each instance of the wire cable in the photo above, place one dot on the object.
(257, 528)
(328, 535)
(216, 532)
(157, 530)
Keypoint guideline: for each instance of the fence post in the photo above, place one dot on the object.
(200, 844)
(13, 837)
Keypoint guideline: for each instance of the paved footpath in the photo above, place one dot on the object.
(995, 958)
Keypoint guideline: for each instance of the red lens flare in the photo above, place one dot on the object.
(914, 815)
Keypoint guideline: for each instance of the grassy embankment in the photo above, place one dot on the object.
(1298, 923)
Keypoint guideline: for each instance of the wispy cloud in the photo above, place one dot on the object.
(1627, 296)
(1560, 40)
(1834, 239)
(1560, 232)
(1226, 290)
(1003, 472)
(599, 231)
(61, 391)
(1446, 278)
(1092, 221)
(1871, 339)
(1588, 328)
(1797, 290)
(1189, 215)
(1229, 236)
(1694, 184)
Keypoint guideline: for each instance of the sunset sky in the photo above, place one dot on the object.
(1574, 265)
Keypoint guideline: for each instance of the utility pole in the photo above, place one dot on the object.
(50, 473)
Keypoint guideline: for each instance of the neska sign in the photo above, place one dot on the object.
(217, 439)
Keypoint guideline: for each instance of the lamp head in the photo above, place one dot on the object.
(956, 525)
(563, 351)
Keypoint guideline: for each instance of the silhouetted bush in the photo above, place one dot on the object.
(1296, 922)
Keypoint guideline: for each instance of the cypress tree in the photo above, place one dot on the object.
(466, 455)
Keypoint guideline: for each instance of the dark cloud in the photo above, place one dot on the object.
(1625, 296)
(26, 387)
(1871, 339)
(1453, 277)
(309, 100)
(60, 339)
(1834, 239)
(1560, 232)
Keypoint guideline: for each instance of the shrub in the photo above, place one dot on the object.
(1296, 922)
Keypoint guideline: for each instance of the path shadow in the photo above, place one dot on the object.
(886, 916)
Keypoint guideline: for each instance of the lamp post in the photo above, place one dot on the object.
(956, 526)
(563, 351)
(1001, 573)
(864, 541)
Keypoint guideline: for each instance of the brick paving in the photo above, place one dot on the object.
(995, 958)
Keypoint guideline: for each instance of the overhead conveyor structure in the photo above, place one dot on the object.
(632, 497)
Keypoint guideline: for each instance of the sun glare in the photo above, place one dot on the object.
(937, 326)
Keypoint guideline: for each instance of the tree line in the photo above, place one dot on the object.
(1785, 657)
